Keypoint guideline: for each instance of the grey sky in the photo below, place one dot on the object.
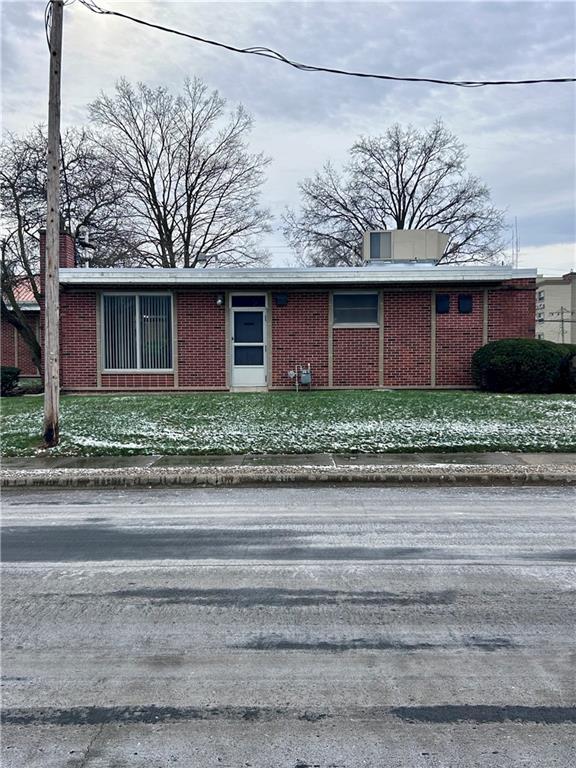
(520, 139)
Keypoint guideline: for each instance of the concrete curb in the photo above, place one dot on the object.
(502, 475)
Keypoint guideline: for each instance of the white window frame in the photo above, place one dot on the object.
(264, 310)
(357, 325)
(138, 332)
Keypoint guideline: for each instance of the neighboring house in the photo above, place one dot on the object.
(14, 351)
(390, 323)
(556, 308)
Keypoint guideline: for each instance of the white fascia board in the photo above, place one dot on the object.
(286, 276)
(29, 306)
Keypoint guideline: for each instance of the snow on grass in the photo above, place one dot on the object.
(309, 422)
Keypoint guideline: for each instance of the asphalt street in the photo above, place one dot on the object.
(328, 627)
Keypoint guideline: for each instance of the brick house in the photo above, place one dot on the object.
(398, 321)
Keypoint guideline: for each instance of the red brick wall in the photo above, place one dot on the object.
(201, 329)
(407, 338)
(512, 313)
(25, 362)
(15, 352)
(78, 339)
(300, 336)
(355, 356)
(458, 336)
(138, 380)
(8, 345)
(201, 344)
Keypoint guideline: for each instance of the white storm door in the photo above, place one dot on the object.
(248, 340)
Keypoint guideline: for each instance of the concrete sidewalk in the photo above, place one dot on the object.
(292, 460)
(251, 469)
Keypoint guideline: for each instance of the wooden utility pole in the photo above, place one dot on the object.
(561, 313)
(52, 281)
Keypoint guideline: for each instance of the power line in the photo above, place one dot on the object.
(269, 53)
(48, 22)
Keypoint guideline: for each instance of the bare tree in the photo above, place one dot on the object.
(92, 195)
(405, 179)
(194, 185)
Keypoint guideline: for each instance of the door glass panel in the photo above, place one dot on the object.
(248, 355)
(248, 327)
(248, 301)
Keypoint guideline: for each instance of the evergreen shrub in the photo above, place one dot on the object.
(9, 379)
(520, 365)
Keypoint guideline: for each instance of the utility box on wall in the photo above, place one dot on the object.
(306, 377)
(403, 245)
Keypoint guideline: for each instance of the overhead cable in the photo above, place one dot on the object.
(269, 53)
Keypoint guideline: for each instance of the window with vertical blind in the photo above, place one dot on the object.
(137, 332)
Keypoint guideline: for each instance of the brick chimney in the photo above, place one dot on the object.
(67, 253)
(67, 260)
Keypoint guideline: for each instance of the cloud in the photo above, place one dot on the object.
(519, 138)
(553, 259)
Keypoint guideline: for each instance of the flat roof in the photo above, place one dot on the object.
(368, 275)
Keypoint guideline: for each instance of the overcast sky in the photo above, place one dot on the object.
(520, 139)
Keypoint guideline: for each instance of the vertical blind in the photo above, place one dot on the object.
(155, 332)
(137, 332)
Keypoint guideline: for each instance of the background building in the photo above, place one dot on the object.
(555, 308)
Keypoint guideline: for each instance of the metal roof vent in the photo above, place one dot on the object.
(403, 245)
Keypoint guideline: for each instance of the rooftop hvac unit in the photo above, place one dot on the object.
(404, 245)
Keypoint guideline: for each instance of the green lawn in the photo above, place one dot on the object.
(286, 422)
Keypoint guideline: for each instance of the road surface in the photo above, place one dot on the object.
(289, 628)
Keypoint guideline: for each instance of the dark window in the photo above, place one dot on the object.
(249, 355)
(248, 301)
(355, 308)
(465, 303)
(442, 303)
(248, 327)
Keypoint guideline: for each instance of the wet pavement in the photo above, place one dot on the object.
(296, 627)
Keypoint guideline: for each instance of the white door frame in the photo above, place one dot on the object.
(249, 377)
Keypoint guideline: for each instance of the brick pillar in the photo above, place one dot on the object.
(67, 261)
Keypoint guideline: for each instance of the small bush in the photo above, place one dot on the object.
(568, 372)
(9, 376)
(30, 386)
(519, 365)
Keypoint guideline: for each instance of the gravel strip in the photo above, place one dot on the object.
(459, 474)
